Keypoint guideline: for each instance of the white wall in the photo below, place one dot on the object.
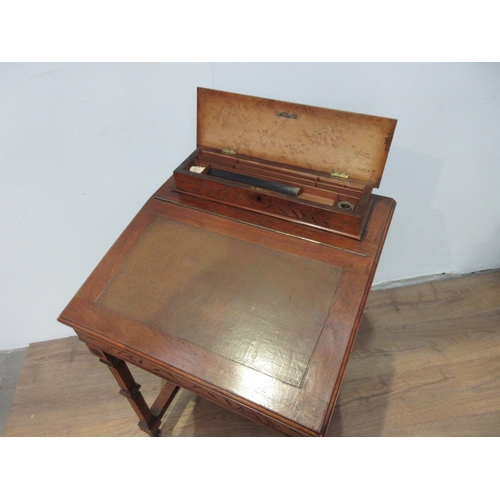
(84, 145)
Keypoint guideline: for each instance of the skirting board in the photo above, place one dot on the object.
(426, 279)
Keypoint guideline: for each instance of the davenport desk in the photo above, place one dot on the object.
(215, 291)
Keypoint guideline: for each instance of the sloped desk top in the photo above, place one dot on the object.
(256, 318)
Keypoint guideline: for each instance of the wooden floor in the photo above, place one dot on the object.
(426, 362)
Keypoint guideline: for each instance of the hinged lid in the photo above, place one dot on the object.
(313, 138)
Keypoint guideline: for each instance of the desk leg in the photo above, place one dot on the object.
(149, 418)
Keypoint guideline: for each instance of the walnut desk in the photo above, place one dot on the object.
(217, 286)
(256, 320)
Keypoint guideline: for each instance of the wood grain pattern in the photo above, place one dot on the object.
(215, 394)
(425, 363)
(285, 207)
(317, 139)
(168, 193)
(306, 407)
(315, 202)
(258, 318)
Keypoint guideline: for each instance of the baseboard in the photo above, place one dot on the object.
(426, 279)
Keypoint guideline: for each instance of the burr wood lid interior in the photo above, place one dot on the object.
(312, 138)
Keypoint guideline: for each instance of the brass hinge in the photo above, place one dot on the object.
(339, 175)
(228, 151)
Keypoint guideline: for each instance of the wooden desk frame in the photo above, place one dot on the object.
(296, 411)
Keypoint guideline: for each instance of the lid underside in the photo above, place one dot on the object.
(308, 137)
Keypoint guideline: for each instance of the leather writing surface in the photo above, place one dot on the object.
(254, 305)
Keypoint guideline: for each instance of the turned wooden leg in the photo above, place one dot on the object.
(149, 418)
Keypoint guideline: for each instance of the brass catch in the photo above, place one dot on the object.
(339, 175)
(228, 151)
(286, 115)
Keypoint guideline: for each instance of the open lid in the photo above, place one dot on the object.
(313, 138)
